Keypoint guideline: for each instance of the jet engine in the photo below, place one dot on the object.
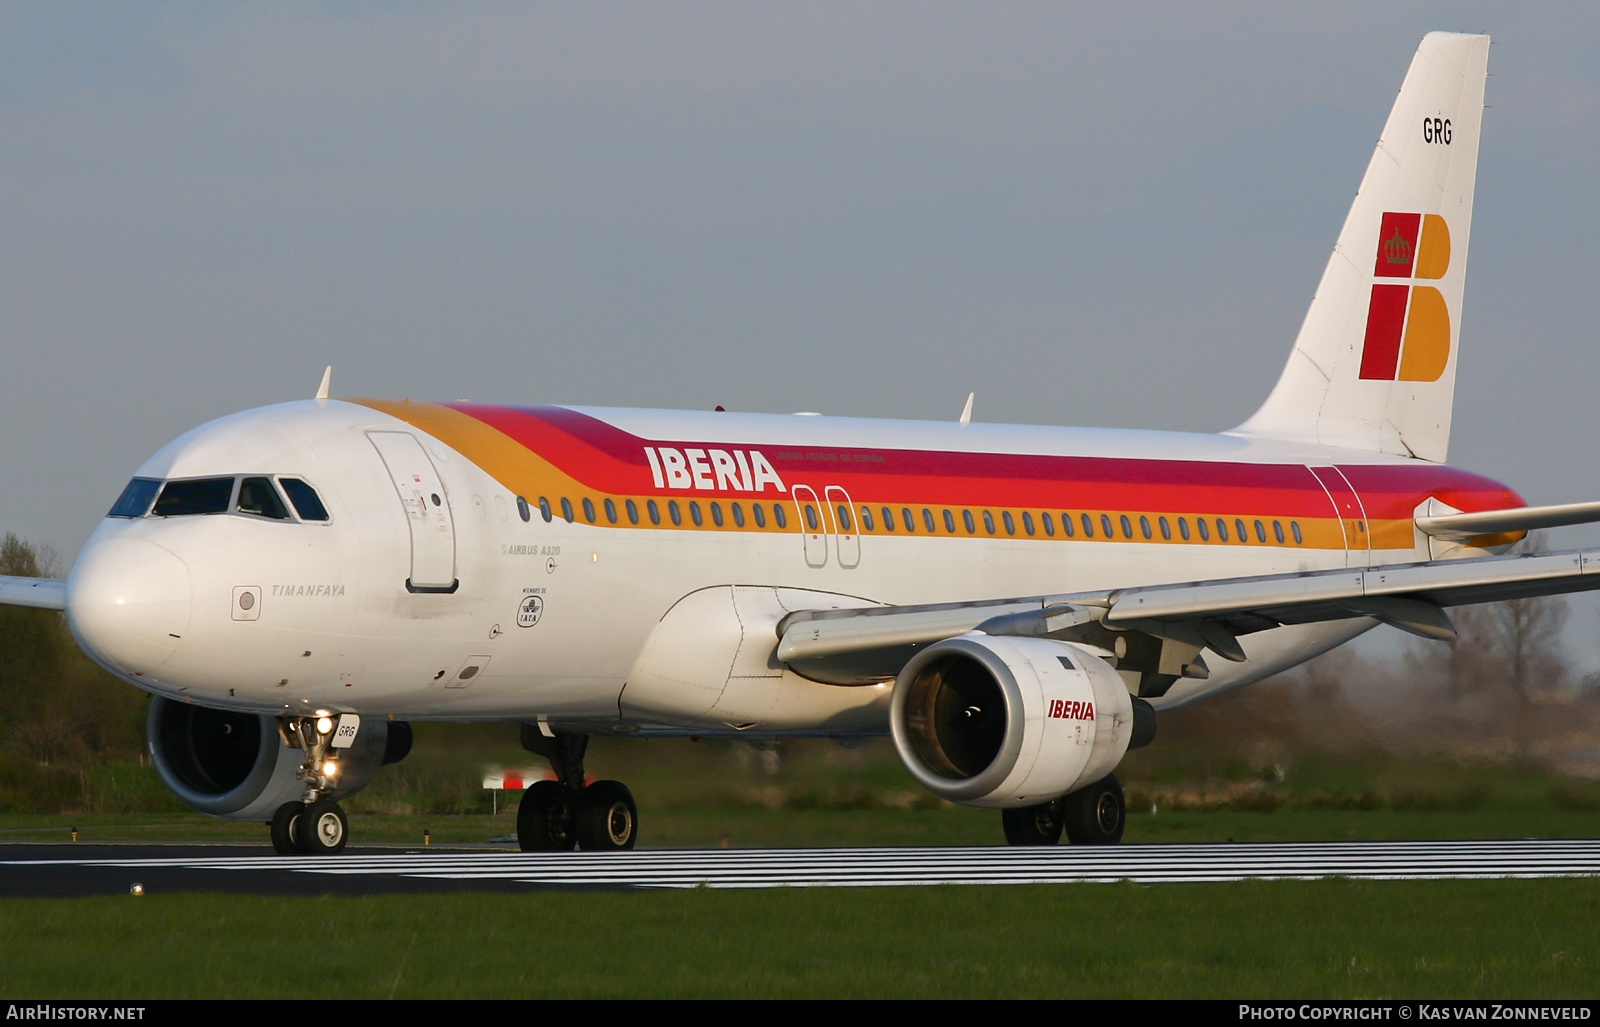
(238, 766)
(1002, 721)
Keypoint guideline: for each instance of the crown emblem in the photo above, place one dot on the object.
(1397, 250)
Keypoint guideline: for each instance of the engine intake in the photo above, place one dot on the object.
(236, 765)
(1005, 722)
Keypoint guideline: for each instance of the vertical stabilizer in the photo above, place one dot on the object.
(1374, 366)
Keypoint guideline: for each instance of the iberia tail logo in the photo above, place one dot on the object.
(1408, 326)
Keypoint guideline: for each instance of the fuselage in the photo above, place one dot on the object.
(487, 562)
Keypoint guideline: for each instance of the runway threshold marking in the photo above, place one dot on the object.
(768, 868)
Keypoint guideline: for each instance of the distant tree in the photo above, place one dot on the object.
(55, 703)
(1510, 657)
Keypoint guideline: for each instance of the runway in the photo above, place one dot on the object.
(377, 871)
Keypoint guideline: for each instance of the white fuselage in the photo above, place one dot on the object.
(548, 619)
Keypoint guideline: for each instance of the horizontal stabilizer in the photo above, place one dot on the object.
(40, 593)
(1459, 527)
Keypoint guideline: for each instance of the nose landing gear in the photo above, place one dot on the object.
(316, 825)
(556, 816)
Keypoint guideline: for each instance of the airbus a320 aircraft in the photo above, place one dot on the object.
(1013, 605)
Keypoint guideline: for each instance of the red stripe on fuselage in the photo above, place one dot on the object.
(611, 460)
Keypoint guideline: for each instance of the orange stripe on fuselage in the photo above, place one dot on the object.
(555, 452)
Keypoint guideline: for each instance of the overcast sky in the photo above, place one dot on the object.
(1109, 214)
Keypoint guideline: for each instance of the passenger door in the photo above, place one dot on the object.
(422, 496)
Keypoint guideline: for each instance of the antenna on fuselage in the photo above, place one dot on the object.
(966, 413)
(327, 381)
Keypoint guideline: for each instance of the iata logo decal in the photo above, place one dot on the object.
(1408, 326)
(712, 469)
(1065, 709)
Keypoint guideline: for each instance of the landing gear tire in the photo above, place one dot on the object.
(1033, 825)
(284, 820)
(1097, 814)
(544, 818)
(607, 819)
(322, 829)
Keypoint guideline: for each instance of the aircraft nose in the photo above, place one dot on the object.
(128, 603)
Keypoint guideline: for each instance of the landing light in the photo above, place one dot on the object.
(330, 768)
(324, 725)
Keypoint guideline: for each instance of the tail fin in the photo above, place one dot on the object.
(1374, 366)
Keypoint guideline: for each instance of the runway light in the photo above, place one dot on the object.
(137, 889)
(324, 725)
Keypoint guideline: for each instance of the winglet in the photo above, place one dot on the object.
(966, 413)
(327, 381)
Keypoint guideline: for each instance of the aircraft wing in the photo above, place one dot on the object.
(1179, 620)
(41, 593)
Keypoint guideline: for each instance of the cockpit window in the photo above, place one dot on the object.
(257, 496)
(306, 502)
(196, 496)
(136, 498)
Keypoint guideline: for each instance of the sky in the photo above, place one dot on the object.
(1106, 214)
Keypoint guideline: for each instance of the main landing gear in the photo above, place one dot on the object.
(556, 816)
(1094, 815)
(316, 826)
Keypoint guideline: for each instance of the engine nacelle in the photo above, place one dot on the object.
(237, 767)
(998, 721)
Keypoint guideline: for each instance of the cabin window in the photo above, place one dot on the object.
(1166, 529)
(633, 511)
(888, 519)
(1011, 525)
(1088, 526)
(811, 516)
(845, 522)
(611, 512)
(1027, 522)
(566, 509)
(544, 510)
(1277, 531)
(1261, 532)
(1205, 533)
(966, 519)
(906, 519)
(694, 513)
(1299, 539)
(1222, 530)
(761, 515)
(1239, 530)
(988, 523)
(305, 500)
(1127, 526)
(866, 518)
(949, 522)
(258, 498)
(1050, 524)
(1144, 526)
(674, 512)
(779, 518)
(654, 511)
(716, 514)
(1183, 528)
(197, 496)
(927, 520)
(588, 509)
(738, 515)
(523, 511)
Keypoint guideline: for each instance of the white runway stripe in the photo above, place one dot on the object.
(767, 868)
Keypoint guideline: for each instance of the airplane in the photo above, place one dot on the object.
(1013, 605)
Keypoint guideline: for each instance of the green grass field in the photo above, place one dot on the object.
(1337, 939)
(1443, 939)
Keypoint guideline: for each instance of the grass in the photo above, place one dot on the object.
(1265, 939)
